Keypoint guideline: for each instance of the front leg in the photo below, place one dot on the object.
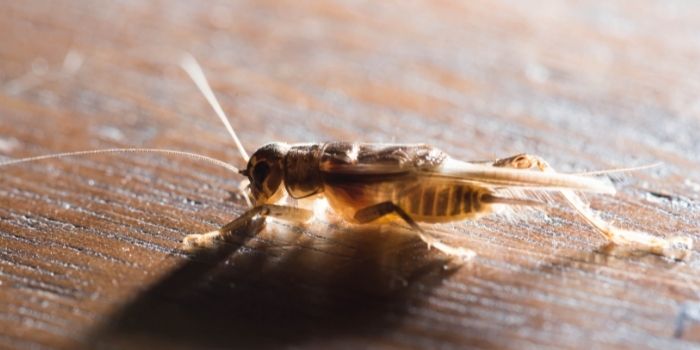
(677, 247)
(374, 212)
(197, 242)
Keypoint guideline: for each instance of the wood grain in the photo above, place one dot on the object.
(90, 253)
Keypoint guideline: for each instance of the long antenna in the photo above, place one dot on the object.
(190, 65)
(621, 170)
(122, 150)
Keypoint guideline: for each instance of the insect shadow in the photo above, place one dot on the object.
(250, 297)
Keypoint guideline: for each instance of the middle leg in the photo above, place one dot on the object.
(376, 211)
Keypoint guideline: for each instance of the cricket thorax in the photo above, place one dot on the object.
(302, 176)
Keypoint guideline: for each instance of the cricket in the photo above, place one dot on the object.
(415, 184)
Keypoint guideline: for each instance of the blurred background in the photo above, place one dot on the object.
(87, 245)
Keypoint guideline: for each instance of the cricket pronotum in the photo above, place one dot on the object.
(413, 183)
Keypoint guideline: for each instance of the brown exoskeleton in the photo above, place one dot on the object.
(365, 183)
(416, 183)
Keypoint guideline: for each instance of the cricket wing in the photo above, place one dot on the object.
(374, 163)
(378, 158)
(507, 177)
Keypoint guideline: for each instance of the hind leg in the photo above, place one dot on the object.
(374, 212)
(677, 247)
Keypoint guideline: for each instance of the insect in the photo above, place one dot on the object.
(414, 183)
(366, 183)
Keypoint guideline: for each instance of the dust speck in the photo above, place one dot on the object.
(8, 145)
(111, 133)
(72, 62)
(40, 66)
(692, 185)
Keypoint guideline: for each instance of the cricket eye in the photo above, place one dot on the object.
(261, 171)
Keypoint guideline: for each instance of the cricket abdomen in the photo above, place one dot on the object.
(435, 202)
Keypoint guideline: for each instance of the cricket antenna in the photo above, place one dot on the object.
(121, 150)
(167, 152)
(192, 68)
(620, 170)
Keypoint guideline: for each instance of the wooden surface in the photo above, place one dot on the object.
(89, 252)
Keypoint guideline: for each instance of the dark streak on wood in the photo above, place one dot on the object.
(90, 247)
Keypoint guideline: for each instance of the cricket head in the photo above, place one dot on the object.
(265, 171)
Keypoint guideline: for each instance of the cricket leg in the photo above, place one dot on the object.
(243, 189)
(677, 247)
(374, 212)
(211, 239)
